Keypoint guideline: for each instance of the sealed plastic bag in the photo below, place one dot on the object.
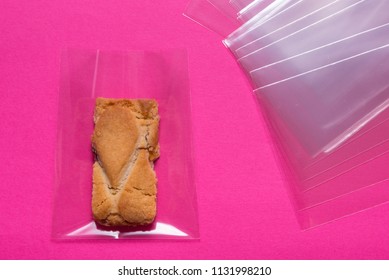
(160, 75)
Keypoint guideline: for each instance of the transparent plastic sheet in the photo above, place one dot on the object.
(161, 75)
(319, 37)
(208, 15)
(298, 16)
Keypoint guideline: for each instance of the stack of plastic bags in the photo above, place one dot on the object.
(320, 72)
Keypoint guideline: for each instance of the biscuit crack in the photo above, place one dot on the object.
(128, 170)
(101, 203)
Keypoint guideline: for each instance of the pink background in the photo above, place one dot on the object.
(244, 210)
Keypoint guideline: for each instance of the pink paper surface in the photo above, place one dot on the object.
(243, 205)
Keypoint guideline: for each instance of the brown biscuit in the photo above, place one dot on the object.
(125, 142)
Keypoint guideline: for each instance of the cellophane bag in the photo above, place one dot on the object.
(310, 104)
(341, 102)
(319, 75)
(159, 75)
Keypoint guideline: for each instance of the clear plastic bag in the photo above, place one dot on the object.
(358, 83)
(320, 37)
(320, 73)
(161, 75)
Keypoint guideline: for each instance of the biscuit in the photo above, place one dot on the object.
(125, 144)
